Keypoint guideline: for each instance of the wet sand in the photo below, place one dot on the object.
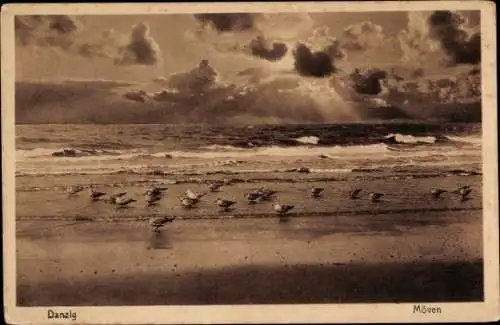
(408, 248)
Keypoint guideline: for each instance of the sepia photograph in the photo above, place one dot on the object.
(250, 155)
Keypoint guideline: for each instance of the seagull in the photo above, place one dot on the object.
(151, 199)
(72, 189)
(464, 193)
(437, 193)
(266, 194)
(462, 189)
(112, 198)
(214, 187)
(94, 195)
(191, 195)
(225, 204)
(283, 208)
(375, 197)
(354, 194)
(188, 203)
(158, 222)
(253, 197)
(316, 191)
(123, 202)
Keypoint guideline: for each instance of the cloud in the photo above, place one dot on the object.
(414, 42)
(264, 36)
(228, 22)
(261, 48)
(321, 62)
(278, 99)
(141, 50)
(417, 73)
(367, 82)
(312, 64)
(317, 56)
(285, 26)
(138, 96)
(321, 40)
(62, 31)
(362, 36)
(47, 31)
(106, 45)
(440, 33)
(197, 80)
(460, 46)
(370, 82)
(136, 49)
(160, 80)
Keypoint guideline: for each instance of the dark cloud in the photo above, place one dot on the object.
(164, 95)
(313, 64)
(417, 73)
(448, 29)
(261, 48)
(138, 96)
(228, 22)
(46, 30)
(368, 82)
(61, 31)
(63, 24)
(141, 50)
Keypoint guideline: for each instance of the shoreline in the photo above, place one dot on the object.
(249, 215)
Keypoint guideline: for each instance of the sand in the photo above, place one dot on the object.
(407, 248)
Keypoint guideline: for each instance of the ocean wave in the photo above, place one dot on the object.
(219, 147)
(474, 140)
(409, 139)
(215, 152)
(233, 154)
(308, 140)
(78, 153)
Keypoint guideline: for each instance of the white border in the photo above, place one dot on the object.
(323, 313)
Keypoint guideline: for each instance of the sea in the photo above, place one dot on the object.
(64, 149)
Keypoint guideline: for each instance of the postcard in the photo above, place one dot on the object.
(214, 163)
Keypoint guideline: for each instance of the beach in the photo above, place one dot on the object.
(409, 247)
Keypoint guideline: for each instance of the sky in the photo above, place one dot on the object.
(181, 50)
(317, 67)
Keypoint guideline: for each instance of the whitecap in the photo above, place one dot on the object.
(410, 139)
(308, 140)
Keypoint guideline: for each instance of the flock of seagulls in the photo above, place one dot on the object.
(190, 199)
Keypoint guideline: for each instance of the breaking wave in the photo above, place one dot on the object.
(306, 146)
(410, 139)
(197, 149)
(308, 140)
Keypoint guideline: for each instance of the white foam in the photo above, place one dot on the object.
(468, 139)
(308, 140)
(79, 154)
(407, 138)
